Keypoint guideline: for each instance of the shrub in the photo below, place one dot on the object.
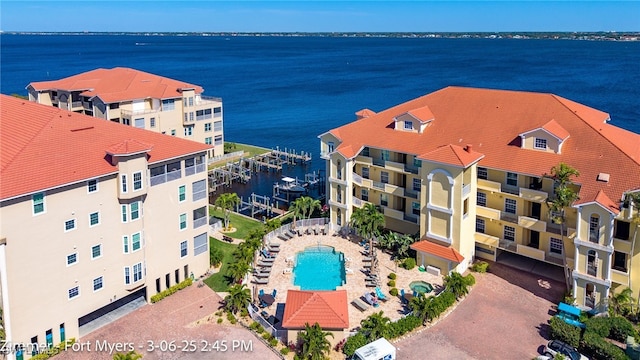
(409, 263)
(403, 326)
(598, 348)
(391, 283)
(392, 276)
(254, 326)
(231, 318)
(244, 312)
(620, 329)
(393, 292)
(562, 331)
(353, 343)
(469, 280)
(170, 291)
(220, 320)
(284, 351)
(480, 267)
(599, 326)
(215, 257)
(46, 354)
(273, 342)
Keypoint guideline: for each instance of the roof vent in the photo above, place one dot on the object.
(604, 177)
(81, 129)
(468, 148)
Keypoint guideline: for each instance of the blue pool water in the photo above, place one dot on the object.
(319, 268)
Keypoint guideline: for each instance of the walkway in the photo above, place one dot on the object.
(504, 317)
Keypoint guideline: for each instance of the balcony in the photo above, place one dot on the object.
(356, 178)
(415, 219)
(75, 105)
(530, 252)
(620, 277)
(378, 162)
(324, 155)
(199, 222)
(509, 217)
(208, 100)
(488, 213)
(411, 169)
(394, 166)
(378, 185)
(341, 205)
(198, 168)
(411, 193)
(394, 190)
(486, 239)
(336, 180)
(532, 224)
(365, 160)
(533, 195)
(466, 189)
(622, 245)
(392, 213)
(508, 245)
(358, 202)
(163, 178)
(489, 185)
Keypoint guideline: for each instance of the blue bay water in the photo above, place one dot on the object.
(285, 91)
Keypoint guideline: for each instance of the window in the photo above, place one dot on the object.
(152, 122)
(124, 212)
(137, 181)
(365, 152)
(136, 242)
(364, 194)
(417, 182)
(183, 249)
(191, 117)
(139, 123)
(217, 112)
(199, 189)
(135, 210)
(510, 206)
(365, 172)
(417, 162)
(555, 246)
(509, 233)
(384, 177)
(384, 199)
(94, 218)
(217, 126)
(123, 183)
(512, 179)
(38, 203)
(74, 292)
(385, 155)
(208, 141)
(481, 199)
(540, 144)
(69, 225)
(200, 244)
(339, 217)
(173, 132)
(619, 261)
(203, 114)
(125, 244)
(114, 106)
(127, 275)
(168, 104)
(92, 186)
(217, 140)
(188, 131)
(408, 125)
(622, 230)
(207, 127)
(96, 251)
(190, 100)
(137, 272)
(415, 208)
(126, 121)
(465, 207)
(183, 221)
(97, 283)
(182, 193)
(200, 217)
(480, 225)
(594, 228)
(72, 259)
(482, 173)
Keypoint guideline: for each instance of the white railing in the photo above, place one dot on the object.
(257, 317)
(199, 222)
(357, 178)
(225, 156)
(466, 189)
(317, 223)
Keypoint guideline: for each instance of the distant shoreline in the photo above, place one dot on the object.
(593, 36)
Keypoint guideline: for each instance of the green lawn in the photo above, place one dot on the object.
(243, 224)
(252, 150)
(218, 281)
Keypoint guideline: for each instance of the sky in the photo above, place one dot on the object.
(319, 16)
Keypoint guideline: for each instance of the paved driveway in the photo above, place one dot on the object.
(504, 317)
(174, 319)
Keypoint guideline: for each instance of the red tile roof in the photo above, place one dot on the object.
(119, 84)
(491, 121)
(603, 200)
(444, 252)
(423, 114)
(128, 147)
(365, 113)
(453, 155)
(553, 128)
(43, 147)
(328, 308)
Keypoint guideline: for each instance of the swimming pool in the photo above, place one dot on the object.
(319, 268)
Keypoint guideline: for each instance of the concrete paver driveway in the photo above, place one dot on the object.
(504, 317)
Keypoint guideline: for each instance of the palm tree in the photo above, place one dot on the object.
(564, 196)
(238, 298)
(367, 221)
(131, 355)
(314, 343)
(227, 202)
(404, 244)
(238, 270)
(296, 208)
(375, 326)
(422, 308)
(312, 204)
(456, 284)
(622, 302)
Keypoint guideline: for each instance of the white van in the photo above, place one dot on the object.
(380, 349)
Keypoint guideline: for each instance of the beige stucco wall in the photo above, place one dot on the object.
(338, 335)
(37, 247)
(552, 142)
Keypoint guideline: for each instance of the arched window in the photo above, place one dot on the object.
(339, 170)
(339, 195)
(592, 262)
(339, 217)
(594, 228)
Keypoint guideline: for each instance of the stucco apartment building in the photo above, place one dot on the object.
(94, 215)
(468, 169)
(139, 99)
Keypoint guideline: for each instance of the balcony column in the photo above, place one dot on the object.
(575, 288)
(606, 262)
(5, 297)
(576, 256)
(578, 222)
(610, 232)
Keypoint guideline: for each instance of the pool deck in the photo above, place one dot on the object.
(355, 284)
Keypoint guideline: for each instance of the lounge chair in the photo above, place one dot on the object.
(291, 233)
(267, 254)
(402, 296)
(260, 274)
(274, 293)
(381, 295)
(283, 237)
(274, 245)
(368, 265)
(370, 284)
(265, 270)
(273, 249)
(265, 263)
(360, 305)
(261, 281)
(366, 259)
(370, 300)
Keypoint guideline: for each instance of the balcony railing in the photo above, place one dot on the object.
(620, 277)
(393, 213)
(324, 155)
(488, 213)
(357, 178)
(76, 104)
(411, 169)
(199, 222)
(489, 185)
(532, 224)
(130, 113)
(505, 216)
(378, 161)
(163, 178)
(411, 193)
(378, 185)
(208, 100)
(533, 195)
(364, 159)
(395, 166)
(190, 170)
(466, 189)
(411, 218)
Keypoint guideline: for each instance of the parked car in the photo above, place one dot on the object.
(558, 347)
